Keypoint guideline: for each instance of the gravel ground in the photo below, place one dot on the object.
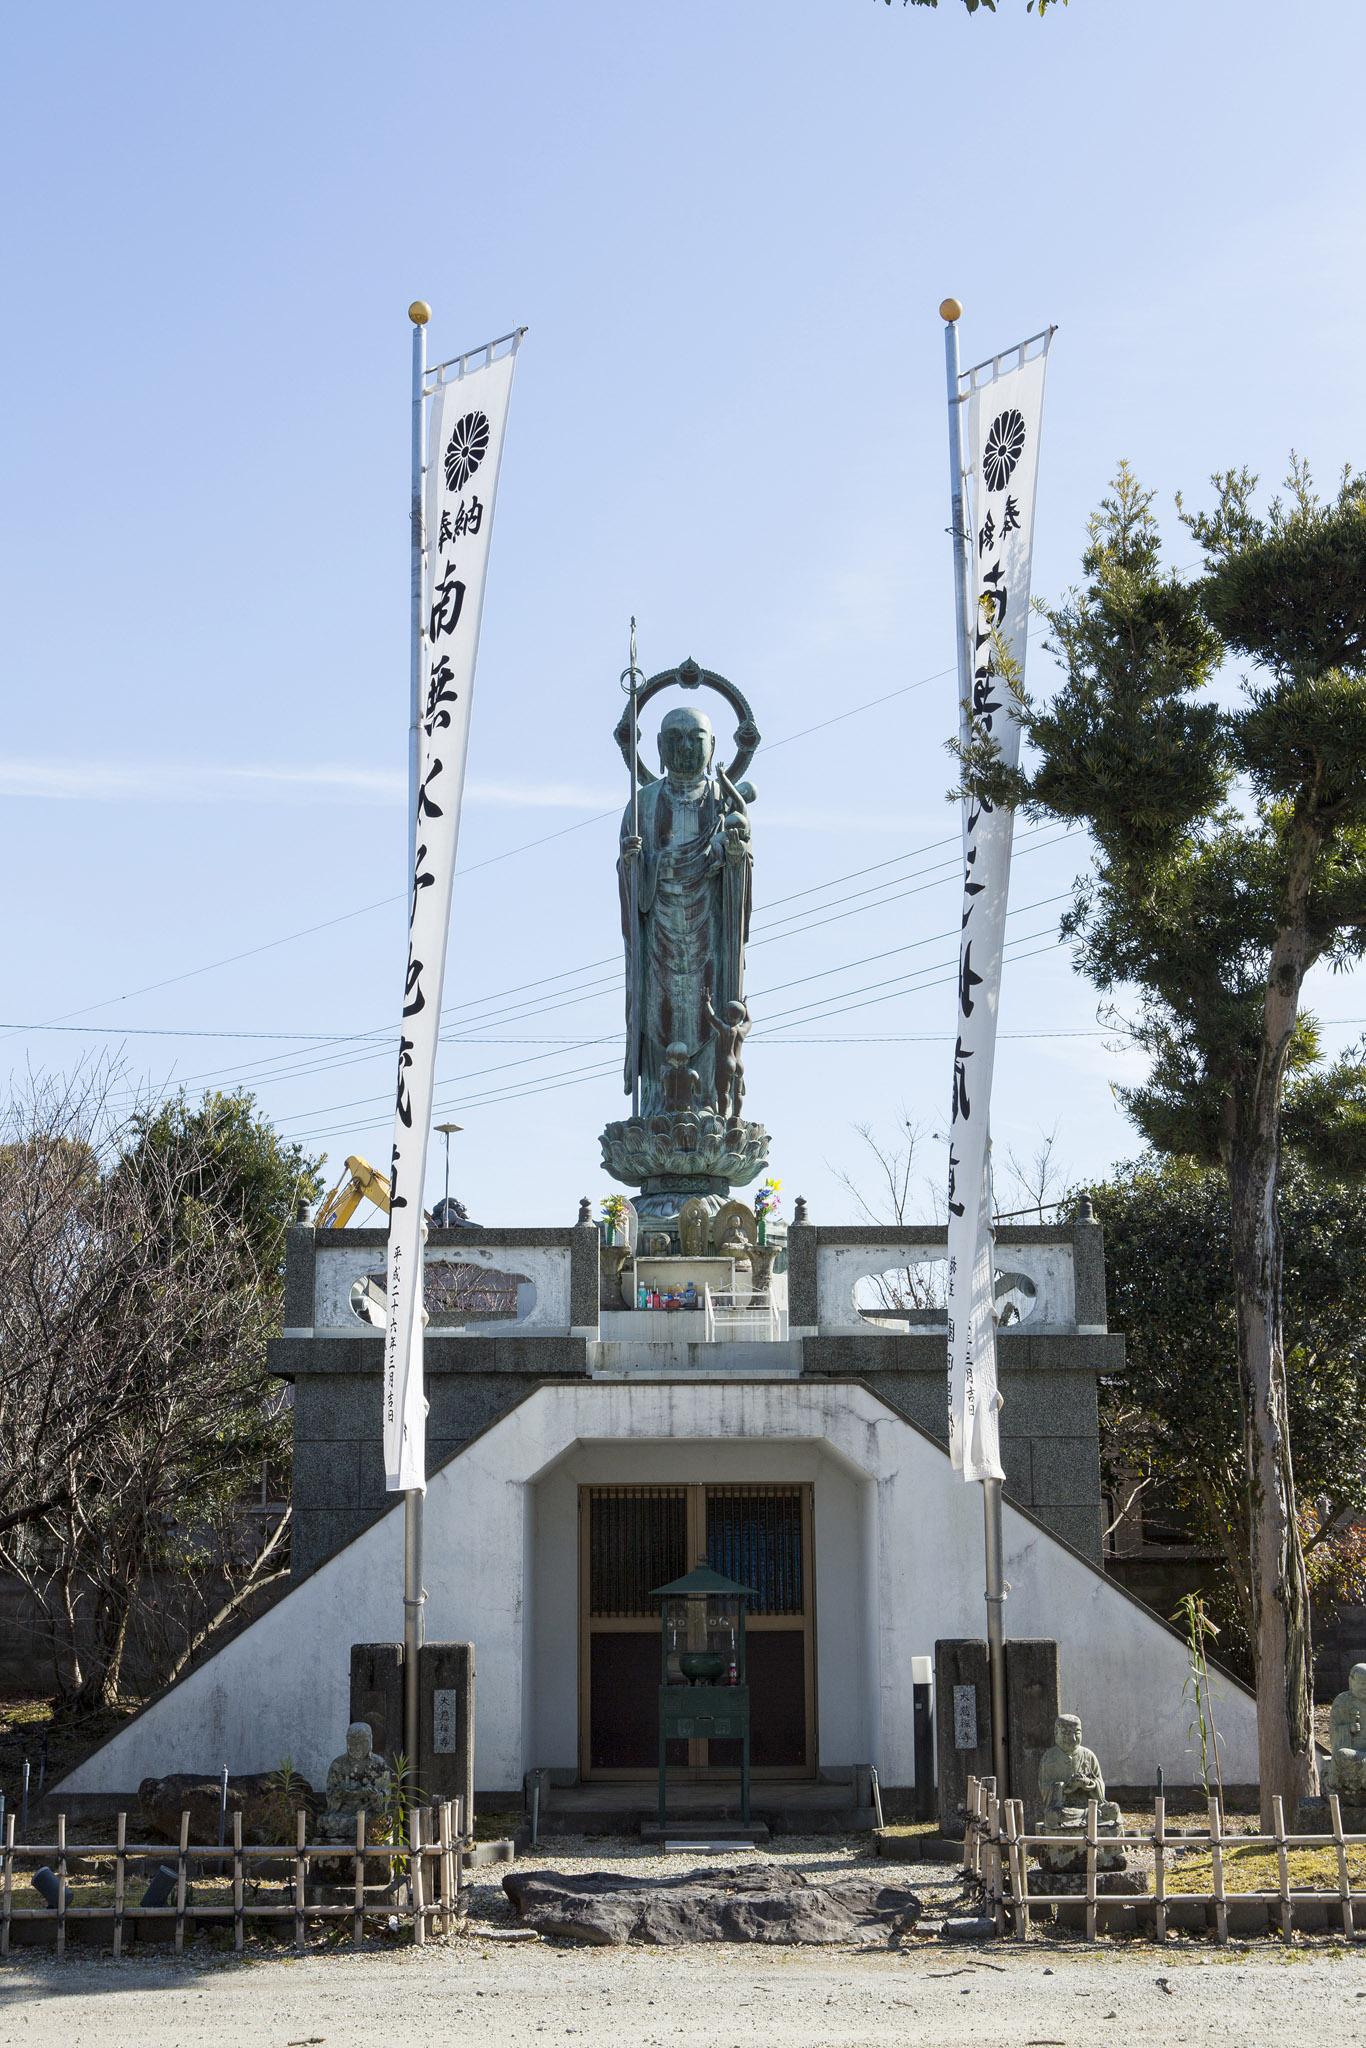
(1052, 1995)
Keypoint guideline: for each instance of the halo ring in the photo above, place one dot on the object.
(688, 676)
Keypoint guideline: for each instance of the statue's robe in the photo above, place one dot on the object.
(1347, 1731)
(691, 926)
(1069, 1778)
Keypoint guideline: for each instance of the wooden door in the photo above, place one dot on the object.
(632, 1538)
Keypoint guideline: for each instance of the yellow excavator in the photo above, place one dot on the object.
(360, 1183)
(363, 1182)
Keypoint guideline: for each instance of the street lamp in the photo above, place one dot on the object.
(448, 1132)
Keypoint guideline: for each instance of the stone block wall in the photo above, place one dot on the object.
(1050, 1424)
(471, 1381)
(1048, 1368)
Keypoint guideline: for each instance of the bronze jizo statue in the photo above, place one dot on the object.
(685, 875)
(693, 866)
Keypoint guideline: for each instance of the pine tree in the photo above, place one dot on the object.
(1229, 825)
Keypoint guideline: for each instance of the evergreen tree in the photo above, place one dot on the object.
(1171, 1422)
(1229, 826)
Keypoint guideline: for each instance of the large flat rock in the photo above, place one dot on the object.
(773, 1905)
(266, 1812)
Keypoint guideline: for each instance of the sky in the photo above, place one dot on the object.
(728, 227)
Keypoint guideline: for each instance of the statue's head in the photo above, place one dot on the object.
(359, 1741)
(676, 1055)
(1356, 1681)
(736, 1013)
(686, 744)
(1067, 1731)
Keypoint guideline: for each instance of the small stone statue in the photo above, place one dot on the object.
(1069, 1773)
(1345, 1771)
(358, 1781)
(1069, 1779)
(734, 1243)
(730, 1034)
(694, 1228)
(736, 1246)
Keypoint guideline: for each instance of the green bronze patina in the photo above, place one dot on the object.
(702, 1634)
(685, 874)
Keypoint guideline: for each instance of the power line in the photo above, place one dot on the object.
(838, 1008)
(821, 974)
(509, 853)
(514, 1093)
(326, 924)
(379, 1041)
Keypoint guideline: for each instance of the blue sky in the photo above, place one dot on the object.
(728, 227)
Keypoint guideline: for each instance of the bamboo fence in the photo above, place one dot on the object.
(432, 1855)
(997, 1848)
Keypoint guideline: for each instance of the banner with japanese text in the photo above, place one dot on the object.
(469, 414)
(1004, 401)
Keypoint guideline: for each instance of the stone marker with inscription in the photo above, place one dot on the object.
(962, 1733)
(445, 1673)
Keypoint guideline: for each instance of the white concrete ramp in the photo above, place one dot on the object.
(898, 1539)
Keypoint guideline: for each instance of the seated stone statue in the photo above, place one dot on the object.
(734, 1244)
(1345, 1771)
(358, 1781)
(1069, 1778)
(1069, 1773)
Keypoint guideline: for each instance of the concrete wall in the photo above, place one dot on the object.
(559, 1269)
(1047, 1266)
(281, 1687)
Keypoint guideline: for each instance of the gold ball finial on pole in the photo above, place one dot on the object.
(419, 312)
(950, 310)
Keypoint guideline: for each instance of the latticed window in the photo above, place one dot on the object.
(638, 1539)
(754, 1536)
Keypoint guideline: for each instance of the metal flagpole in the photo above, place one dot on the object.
(631, 679)
(951, 312)
(413, 1595)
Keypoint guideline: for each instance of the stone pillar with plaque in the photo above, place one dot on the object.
(445, 1763)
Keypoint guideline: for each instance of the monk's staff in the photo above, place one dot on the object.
(630, 681)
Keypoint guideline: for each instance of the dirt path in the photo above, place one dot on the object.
(484, 1991)
(491, 1994)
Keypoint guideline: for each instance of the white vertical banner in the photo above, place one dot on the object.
(1004, 400)
(469, 415)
